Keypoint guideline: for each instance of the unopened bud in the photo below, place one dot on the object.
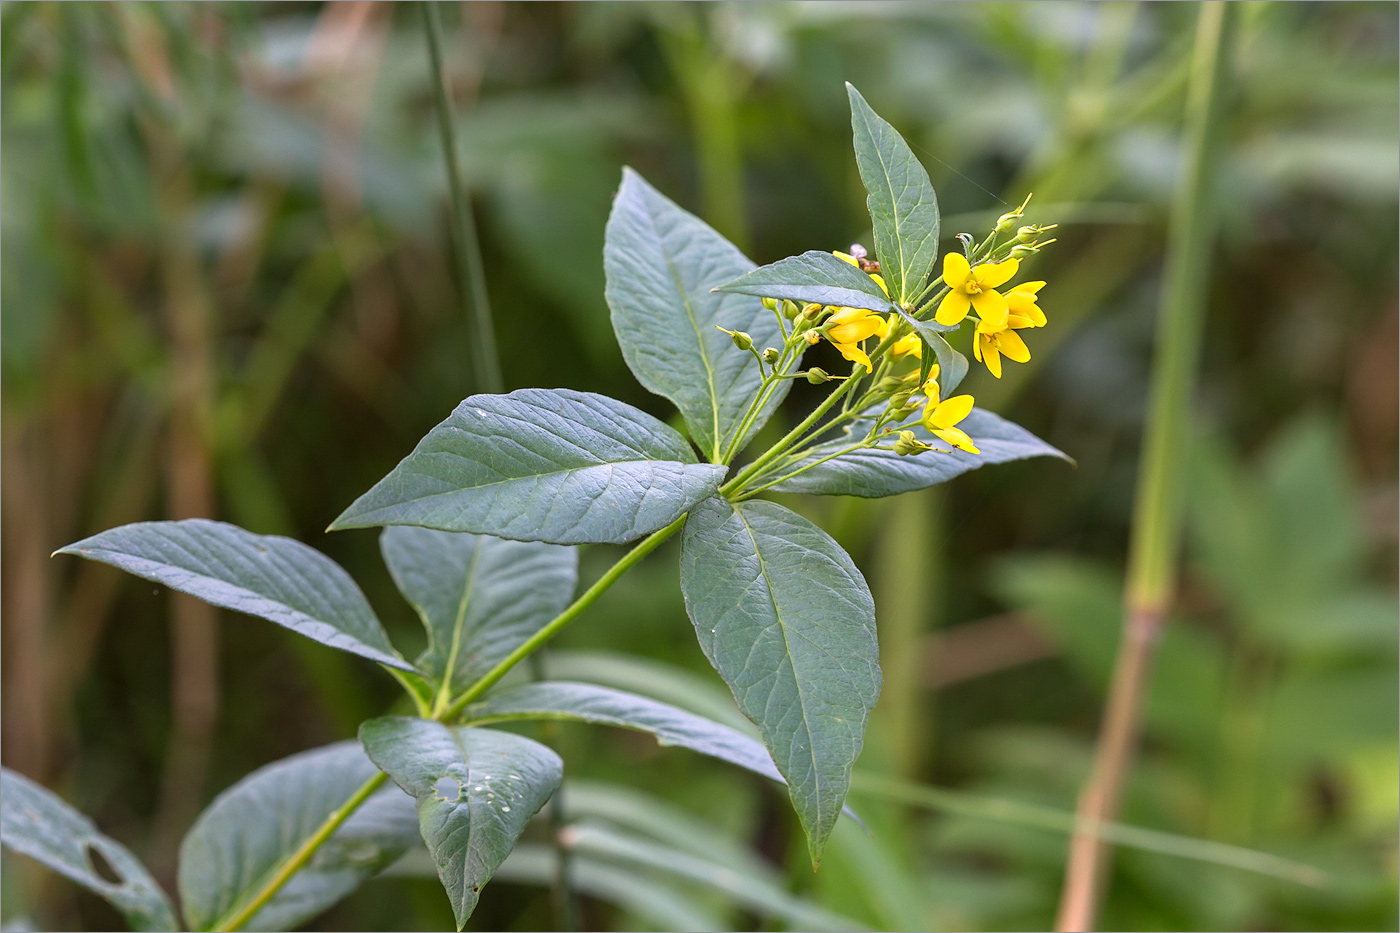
(814, 337)
(889, 385)
(741, 340)
(900, 401)
(1005, 221)
(770, 355)
(816, 376)
(1029, 233)
(770, 303)
(1022, 250)
(811, 311)
(907, 445)
(790, 309)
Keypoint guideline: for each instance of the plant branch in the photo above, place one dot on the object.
(471, 271)
(1152, 553)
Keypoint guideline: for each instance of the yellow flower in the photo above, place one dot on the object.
(996, 333)
(941, 417)
(908, 345)
(848, 327)
(1021, 305)
(973, 288)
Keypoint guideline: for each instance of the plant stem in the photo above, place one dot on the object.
(555, 626)
(1152, 553)
(301, 856)
(737, 483)
(471, 271)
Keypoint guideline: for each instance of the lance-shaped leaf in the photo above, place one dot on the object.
(542, 465)
(606, 706)
(36, 822)
(475, 789)
(662, 265)
(952, 365)
(903, 206)
(251, 828)
(787, 620)
(875, 473)
(813, 276)
(279, 579)
(479, 596)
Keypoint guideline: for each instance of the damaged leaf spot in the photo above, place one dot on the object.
(446, 788)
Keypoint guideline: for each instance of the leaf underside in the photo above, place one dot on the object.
(36, 822)
(814, 276)
(877, 473)
(279, 579)
(787, 620)
(249, 829)
(550, 465)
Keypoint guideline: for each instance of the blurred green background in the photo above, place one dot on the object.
(228, 292)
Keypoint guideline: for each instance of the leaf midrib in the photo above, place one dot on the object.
(894, 205)
(787, 647)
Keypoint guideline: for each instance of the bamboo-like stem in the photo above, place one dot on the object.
(471, 271)
(1152, 553)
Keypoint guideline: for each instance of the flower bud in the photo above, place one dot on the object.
(908, 444)
(1022, 250)
(900, 401)
(889, 385)
(814, 337)
(816, 376)
(790, 309)
(811, 312)
(1026, 234)
(770, 303)
(1005, 221)
(770, 355)
(857, 251)
(741, 340)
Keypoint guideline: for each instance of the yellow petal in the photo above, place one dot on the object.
(955, 270)
(950, 411)
(993, 274)
(931, 390)
(854, 353)
(1018, 322)
(1025, 308)
(884, 330)
(846, 257)
(1010, 343)
(958, 439)
(990, 356)
(880, 281)
(906, 346)
(846, 315)
(1030, 288)
(953, 308)
(977, 342)
(991, 308)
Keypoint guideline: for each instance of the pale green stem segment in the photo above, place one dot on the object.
(471, 271)
(243, 913)
(793, 436)
(1157, 512)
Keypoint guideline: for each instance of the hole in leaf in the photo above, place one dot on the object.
(100, 866)
(446, 788)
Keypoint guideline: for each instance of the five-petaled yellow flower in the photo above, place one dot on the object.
(849, 326)
(996, 333)
(942, 416)
(974, 288)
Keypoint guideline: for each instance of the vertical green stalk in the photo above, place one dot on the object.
(471, 271)
(1157, 513)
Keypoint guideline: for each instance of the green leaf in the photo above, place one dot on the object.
(249, 829)
(875, 473)
(475, 788)
(279, 579)
(952, 365)
(479, 596)
(813, 276)
(36, 822)
(605, 706)
(542, 465)
(761, 893)
(787, 620)
(903, 206)
(662, 265)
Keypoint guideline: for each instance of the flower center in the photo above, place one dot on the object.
(973, 286)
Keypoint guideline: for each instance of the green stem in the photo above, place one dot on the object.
(471, 271)
(750, 493)
(1157, 513)
(489, 679)
(737, 483)
(300, 857)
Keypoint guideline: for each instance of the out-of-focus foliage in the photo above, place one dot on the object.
(227, 292)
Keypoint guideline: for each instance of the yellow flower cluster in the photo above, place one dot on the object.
(999, 316)
(850, 327)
